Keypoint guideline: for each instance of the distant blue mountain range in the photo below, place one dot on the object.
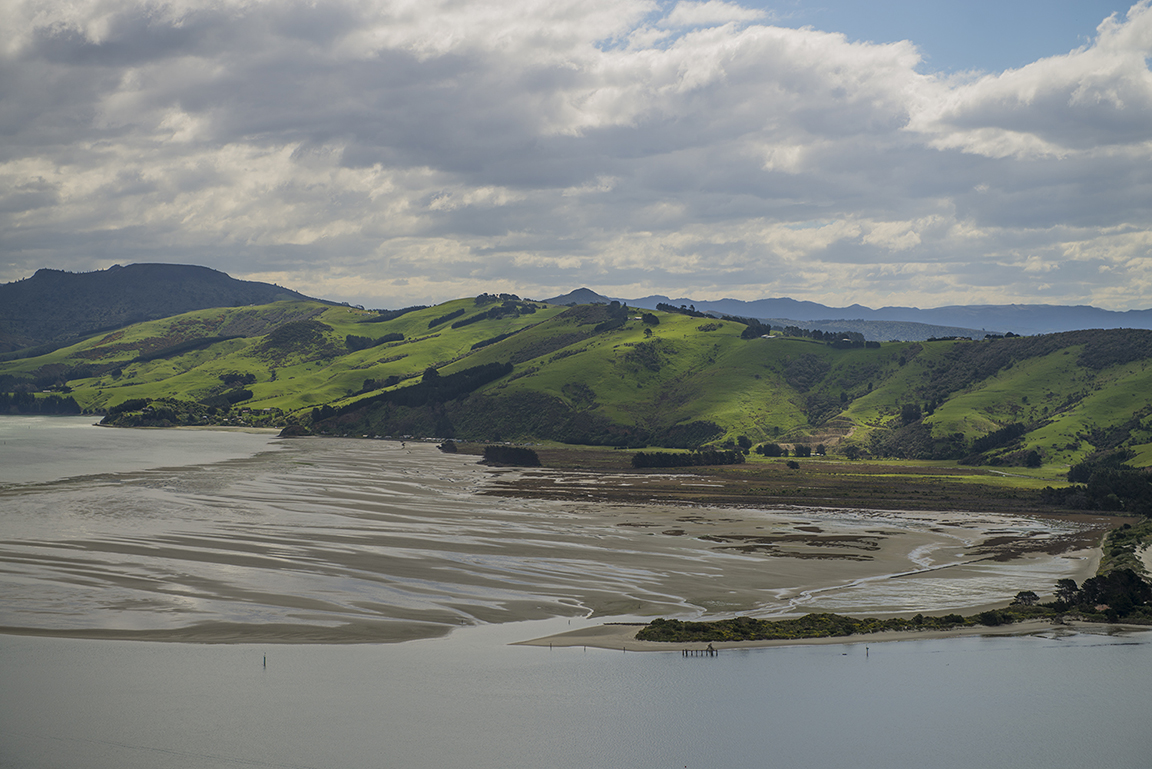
(905, 323)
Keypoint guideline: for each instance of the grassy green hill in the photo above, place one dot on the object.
(490, 368)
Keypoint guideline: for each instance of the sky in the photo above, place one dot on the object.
(390, 153)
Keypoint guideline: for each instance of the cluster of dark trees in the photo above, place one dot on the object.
(445, 318)
(54, 376)
(487, 298)
(516, 456)
(809, 626)
(432, 388)
(841, 340)
(181, 348)
(911, 439)
(354, 343)
(997, 438)
(690, 311)
(384, 316)
(1120, 594)
(236, 379)
(1105, 483)
(687, 458)
(27, 403)
(799, 450)
(754, 329)
(228, 399)
(617, 316)
(296, 333)
(500, 311)
(161, 412)
(493, 340)
(1117, 594)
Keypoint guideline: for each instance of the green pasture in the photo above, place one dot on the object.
(682, 370)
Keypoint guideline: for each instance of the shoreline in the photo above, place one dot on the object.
(337, 567)
(623, 636)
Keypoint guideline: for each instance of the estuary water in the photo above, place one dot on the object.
(285, 576)
(217, 536)
(471, 701)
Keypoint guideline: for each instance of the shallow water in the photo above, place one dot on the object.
(232, 536)
(471, 701)
(36, 449)
(243, 538)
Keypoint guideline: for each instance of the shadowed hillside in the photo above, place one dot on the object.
(54, 306)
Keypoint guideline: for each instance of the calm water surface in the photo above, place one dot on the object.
(471, 701)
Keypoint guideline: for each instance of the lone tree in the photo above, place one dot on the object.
(1067, 590)
(1025, 598)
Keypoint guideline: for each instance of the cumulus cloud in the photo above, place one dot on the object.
(391, 152)
(1097, 99)
(710, 13)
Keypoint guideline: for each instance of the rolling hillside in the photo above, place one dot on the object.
(499, 368)
(54, 306)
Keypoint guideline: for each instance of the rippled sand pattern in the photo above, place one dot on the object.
(354, 541)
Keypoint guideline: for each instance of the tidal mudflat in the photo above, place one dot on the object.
(303, 560)
(346, 541)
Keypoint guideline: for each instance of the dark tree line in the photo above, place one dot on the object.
(840, 340)
(1119, 593)
(445, 318)
(516, 456)
(27, 403)
(354, 343)
(181, 348)
(386, 315)
(1105, 483)
(432, 388)
(690, 311)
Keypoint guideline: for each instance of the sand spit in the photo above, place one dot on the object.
(623, 636)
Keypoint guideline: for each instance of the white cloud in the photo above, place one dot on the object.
(710, 13)
(401, 152)
(1096, 100)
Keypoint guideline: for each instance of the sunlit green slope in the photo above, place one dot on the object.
(501, 368)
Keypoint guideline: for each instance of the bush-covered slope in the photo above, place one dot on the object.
(498, 368)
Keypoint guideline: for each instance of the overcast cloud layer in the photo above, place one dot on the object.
(389, 153)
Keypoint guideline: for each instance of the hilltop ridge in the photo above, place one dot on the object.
(501, 368)
(54, 306)
(911, 324)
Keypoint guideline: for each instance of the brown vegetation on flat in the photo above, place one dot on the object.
(607, 476)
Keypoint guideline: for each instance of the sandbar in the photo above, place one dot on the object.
(623, 636)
